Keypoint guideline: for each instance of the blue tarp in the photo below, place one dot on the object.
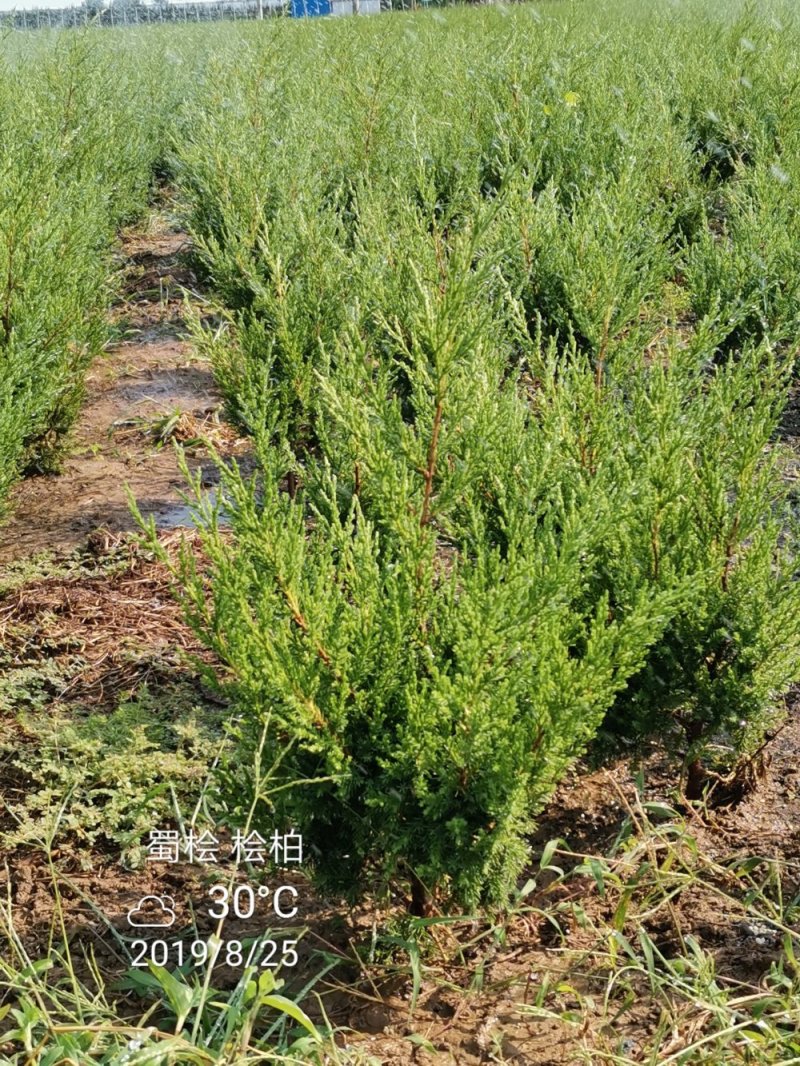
(308, 8)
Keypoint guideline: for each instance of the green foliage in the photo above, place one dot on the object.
(106, 777)
(416, 636)
(711, 514)
(512, 349)
(512, 329)
(75, 161)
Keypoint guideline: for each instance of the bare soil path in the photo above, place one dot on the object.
(146, 389)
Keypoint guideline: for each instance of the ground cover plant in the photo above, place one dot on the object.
(505, 303)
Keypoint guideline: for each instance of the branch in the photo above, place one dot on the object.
(430, 469)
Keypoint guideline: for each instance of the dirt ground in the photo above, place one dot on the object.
(145, 391)
(101, 614)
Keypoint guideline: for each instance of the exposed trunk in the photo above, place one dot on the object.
(421, 905)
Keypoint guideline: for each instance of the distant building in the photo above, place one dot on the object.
(355, 7)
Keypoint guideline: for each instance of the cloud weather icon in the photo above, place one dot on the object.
(153, 912)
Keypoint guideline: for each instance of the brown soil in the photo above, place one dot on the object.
(108, 624)
(145, 391)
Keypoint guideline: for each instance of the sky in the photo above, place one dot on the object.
(30, 5)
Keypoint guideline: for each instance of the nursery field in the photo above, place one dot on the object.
(399, 601)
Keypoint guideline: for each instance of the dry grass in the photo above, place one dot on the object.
(110, 632)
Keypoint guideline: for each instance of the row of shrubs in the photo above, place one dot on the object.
(78, 145)
(508, 302)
